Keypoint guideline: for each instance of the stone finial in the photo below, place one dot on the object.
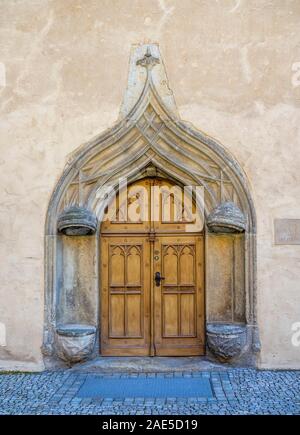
(148, 61)
(77, 221)
(226, 218)
(143, 59)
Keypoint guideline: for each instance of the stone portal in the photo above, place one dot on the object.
(150, 141)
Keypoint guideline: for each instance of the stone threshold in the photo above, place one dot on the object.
(148, 365)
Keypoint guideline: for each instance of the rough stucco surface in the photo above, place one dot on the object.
(230, 67)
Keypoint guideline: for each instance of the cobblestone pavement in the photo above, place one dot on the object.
(236, 391)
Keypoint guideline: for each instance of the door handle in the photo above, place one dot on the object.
(158, 278)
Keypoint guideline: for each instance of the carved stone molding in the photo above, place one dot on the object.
(226, 341)
(77, 221)
(75, 343)
(226, 218)
(148, 61)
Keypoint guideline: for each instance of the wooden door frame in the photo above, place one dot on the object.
(152, 303)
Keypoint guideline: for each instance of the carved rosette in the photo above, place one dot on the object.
(226, 218)
(226, 341)
(77, 221)
(74, 342)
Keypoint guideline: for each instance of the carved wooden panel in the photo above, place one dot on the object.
(178, 290)
(179, 300)
(129, 210)
(125, 296)
(152, 204)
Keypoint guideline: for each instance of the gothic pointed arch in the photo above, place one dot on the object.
(149, 137)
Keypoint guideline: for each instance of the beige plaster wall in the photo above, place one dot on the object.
(63, 70)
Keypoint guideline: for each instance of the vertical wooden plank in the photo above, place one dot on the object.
(170, 315)
(116, 316)
(117, 266)
(133, 266)
(134, 314)
(170, 265)
(188, 315)
(187, 265)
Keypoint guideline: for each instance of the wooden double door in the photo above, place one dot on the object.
(152, 291)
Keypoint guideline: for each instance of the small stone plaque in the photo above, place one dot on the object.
(287, 231)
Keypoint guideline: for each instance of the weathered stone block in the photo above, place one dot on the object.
(226, 218)
(287, 231)
(75, 343)
(226, 341)
(77, 221)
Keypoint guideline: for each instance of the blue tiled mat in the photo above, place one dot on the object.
(118, 388)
